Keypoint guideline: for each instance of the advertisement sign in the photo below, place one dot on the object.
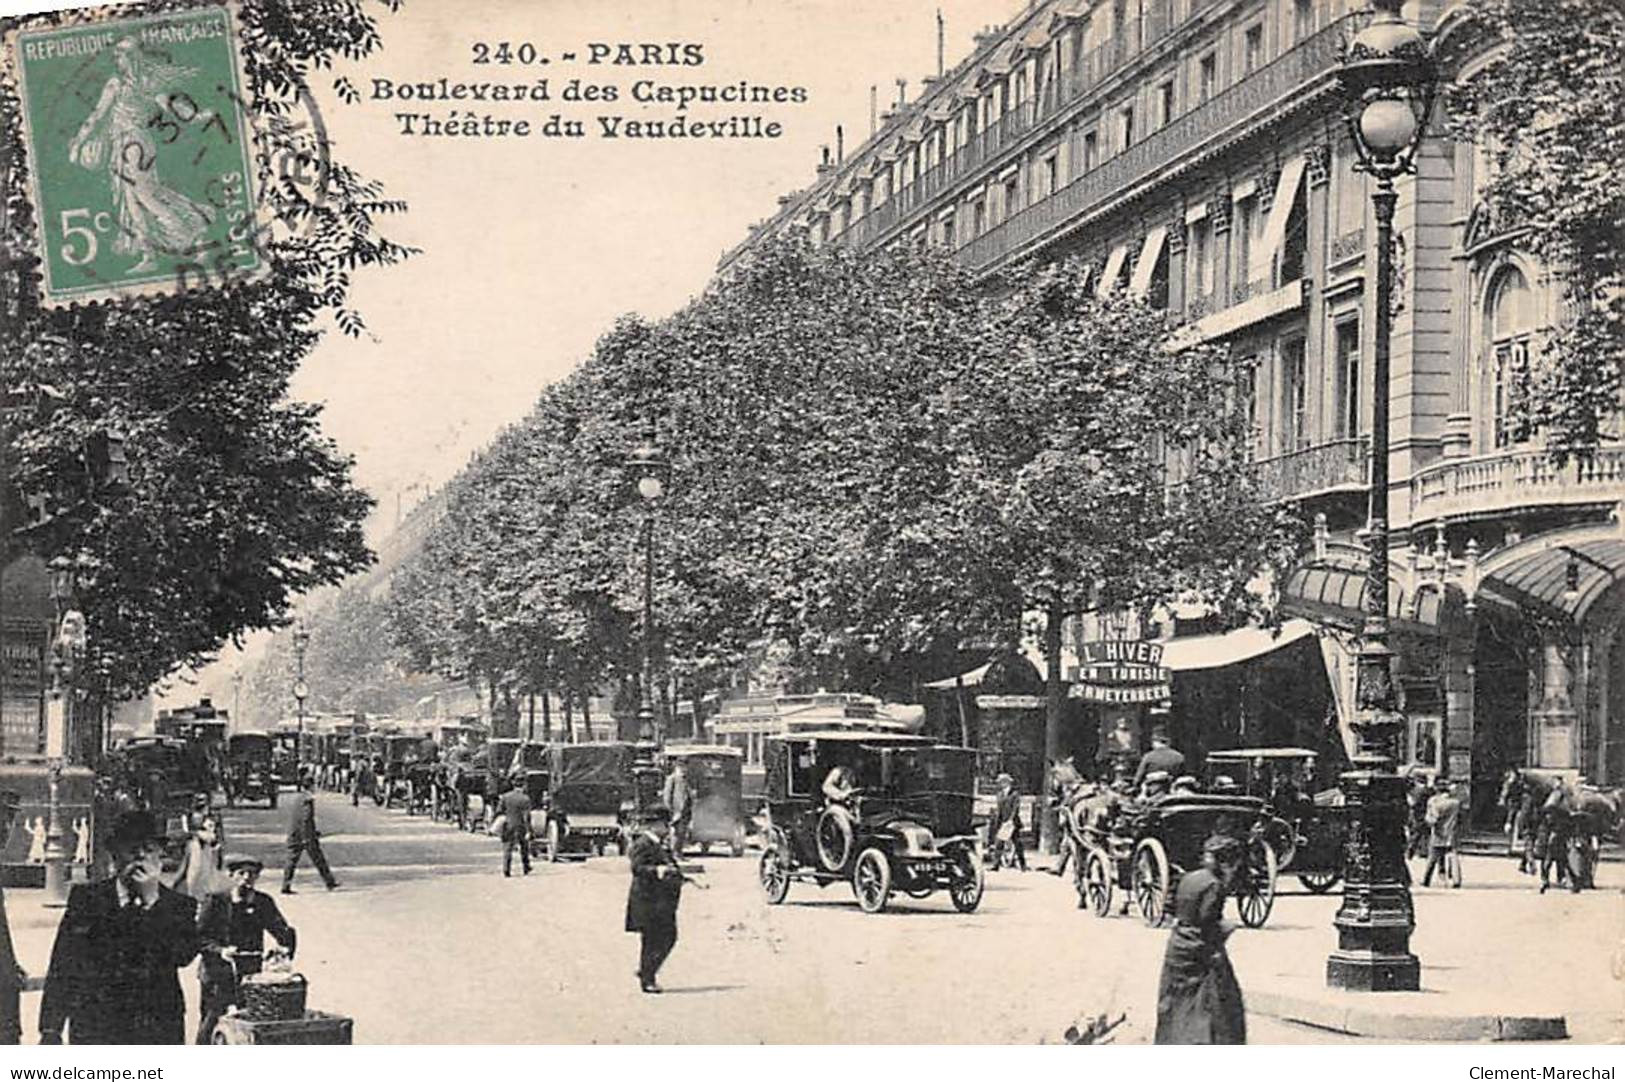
(1134, 693)
(1010, 702)
(24, 844)
(1122, 672)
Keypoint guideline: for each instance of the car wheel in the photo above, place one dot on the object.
(773, 875)
(1257, 890)
(871, 880)
(1097, 884)
(835, 838)
(966, 892)
(1151, 881)
(1319, 882)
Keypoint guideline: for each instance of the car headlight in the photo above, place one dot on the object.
(917, 841)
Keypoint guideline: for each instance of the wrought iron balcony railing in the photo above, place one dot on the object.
(1339, 465)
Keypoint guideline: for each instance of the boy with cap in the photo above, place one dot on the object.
(113, 973)
(651, 903)
(232, 926)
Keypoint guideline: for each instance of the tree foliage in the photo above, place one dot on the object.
(236, 503)
(1550, 108)
(871, 459)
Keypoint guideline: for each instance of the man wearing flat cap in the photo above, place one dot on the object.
(232, 926)
(651, 903)
(113, 974)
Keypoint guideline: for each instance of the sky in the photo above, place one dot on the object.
(531, 247)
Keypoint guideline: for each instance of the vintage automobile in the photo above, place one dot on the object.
(1144, 847)
(907, 827)
(392, 755)
(285, 756)
(716, 812)
(498, 757)
(587, 787)
(1307, 828)
(248, 769)
(166, 774)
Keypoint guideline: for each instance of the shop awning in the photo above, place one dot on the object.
(1286, 194)
(970, 679)
(1231, 647)
(1144, 267)
(1114, 270)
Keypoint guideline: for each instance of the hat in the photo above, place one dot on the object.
(133, 828)
(243, 860)
(657, 813)
(1002, 778)
(1222, 847)
(1157, 777)
(1442, 784)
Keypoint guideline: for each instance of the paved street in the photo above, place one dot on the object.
(427, 943)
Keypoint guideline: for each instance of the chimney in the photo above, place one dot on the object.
(874, 106)
(985, 37)
(902, 93)
(840, 145)
(940, 40)
(824, 167)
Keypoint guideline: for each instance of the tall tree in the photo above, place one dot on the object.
(235, 502)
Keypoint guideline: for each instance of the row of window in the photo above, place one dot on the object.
(1009, 103)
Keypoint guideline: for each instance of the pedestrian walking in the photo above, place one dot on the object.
(674, 793)
(11, 974)
(1198, 998)
(651, 901)
(1556, 829)
(360, 780)
(113, 976)
(1006, 828)
(303, 837)
(202, 871)
(1064, 781)
(515, 805)
(232, 926)
(1443, 818)
(1416, 802)
(1510, 801)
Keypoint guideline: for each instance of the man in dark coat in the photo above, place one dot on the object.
(303, 837)
(651, 903)
(1162, 756)
(1008, 810)
(232, 926)
(112, 978)
(515, 806)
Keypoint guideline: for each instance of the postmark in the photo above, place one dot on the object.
(150, 171)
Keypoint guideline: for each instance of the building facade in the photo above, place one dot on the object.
(1193, 152)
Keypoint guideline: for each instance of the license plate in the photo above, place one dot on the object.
(932, 867)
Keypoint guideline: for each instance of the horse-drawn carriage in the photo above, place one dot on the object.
(1305, 829)
(1589, 814)
(907, 825)
(1143, 847)
(248, 774)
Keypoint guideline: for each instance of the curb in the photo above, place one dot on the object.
(1348, 1013)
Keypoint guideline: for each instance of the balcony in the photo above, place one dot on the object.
(1338, 466)
(1514, 479)
(1309, 60)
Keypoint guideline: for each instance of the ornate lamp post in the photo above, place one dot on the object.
(67, 651)
(301, 690)
(646, 460)
(1388, 81)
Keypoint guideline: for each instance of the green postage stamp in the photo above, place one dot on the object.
(140, 154)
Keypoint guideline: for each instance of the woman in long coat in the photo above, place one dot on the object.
(1198, 999)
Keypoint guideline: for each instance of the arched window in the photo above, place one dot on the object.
(1511, 321)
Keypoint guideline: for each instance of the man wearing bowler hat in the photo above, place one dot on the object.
(232, 926)
(651, 903)
(113, 973)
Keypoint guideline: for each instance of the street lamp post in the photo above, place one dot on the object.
(301, 639)
(646, 460)
(1388, 81)
(67, 650)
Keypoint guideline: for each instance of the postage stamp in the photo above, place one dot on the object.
(142, 155)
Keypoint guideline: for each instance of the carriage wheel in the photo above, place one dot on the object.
(1151, 881)
(871, 880)
(966, 892)
(1257, 890)
(834, 835)
(773, 875)
(1320, 882)
(555, 841)
(1097, 884)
